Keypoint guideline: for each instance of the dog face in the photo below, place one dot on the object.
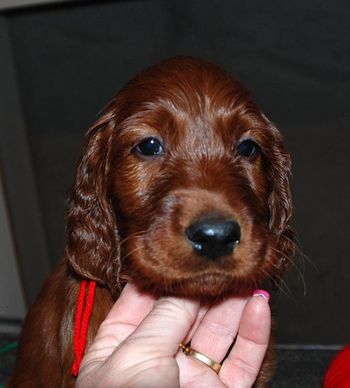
(182, 187)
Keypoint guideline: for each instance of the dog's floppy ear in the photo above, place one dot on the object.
(280, 202)
(92, 238)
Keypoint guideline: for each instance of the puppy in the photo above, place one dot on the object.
(182, 188)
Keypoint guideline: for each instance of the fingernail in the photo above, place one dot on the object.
(264, 294)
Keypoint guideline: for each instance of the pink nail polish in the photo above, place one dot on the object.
(264, 294)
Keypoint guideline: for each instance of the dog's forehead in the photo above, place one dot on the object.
(185, 84)
(192, 95)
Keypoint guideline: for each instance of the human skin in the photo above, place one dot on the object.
(137, 344)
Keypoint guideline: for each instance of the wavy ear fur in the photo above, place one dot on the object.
(92, 239)
(280, 204)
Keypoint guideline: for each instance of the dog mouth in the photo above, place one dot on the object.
(194, 277)
(209, 284)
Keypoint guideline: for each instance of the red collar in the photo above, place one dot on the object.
(81, 322)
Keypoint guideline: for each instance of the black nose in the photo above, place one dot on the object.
(214, 237)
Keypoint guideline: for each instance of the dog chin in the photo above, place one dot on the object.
(208, 288)
(212, 289)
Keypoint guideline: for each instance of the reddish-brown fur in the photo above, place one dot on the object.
(127, 215)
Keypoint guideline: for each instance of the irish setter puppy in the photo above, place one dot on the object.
(182, 188)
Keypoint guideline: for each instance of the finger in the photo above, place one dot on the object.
(218, 328)
(128, 311)
(243, 363)
(126, 314)
(151, 346)
(131, 307)
(167, 325)
(201, 313)
(157, 337)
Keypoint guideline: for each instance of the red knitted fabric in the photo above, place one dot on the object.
(338, 374)
(81, 322)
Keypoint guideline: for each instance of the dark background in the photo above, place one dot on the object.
(295, 58)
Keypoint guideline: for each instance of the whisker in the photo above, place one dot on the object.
(132, 235)
(299, 271)
(281, 285)
(131, 253)
(299, 251)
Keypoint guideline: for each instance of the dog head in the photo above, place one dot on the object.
(182, 187)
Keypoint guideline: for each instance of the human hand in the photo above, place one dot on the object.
(138, 343)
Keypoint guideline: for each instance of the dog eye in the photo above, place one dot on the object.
(149, 147)
(247, 148)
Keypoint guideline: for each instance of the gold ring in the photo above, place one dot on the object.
(215, 366)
